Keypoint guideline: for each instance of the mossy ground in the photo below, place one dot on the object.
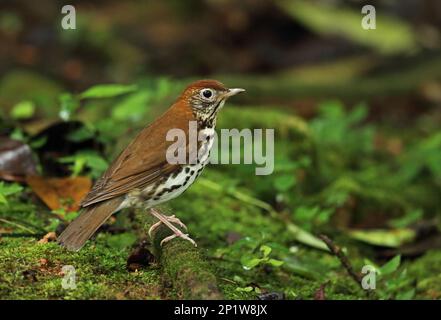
(32, 270)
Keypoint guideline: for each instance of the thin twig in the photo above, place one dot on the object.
(15, 224)
(336, 250)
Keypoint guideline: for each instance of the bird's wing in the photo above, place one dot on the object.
(143, 162)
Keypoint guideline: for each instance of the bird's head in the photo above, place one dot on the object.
(207, 97)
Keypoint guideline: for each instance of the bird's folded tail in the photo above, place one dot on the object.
(84, 226)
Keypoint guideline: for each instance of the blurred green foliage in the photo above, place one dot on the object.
(391, 35)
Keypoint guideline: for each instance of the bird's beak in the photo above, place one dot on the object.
(233, 92)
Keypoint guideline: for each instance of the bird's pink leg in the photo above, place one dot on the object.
(168, 221)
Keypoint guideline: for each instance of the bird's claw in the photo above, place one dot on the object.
(171, 219)
(168, 221)
(180, 235)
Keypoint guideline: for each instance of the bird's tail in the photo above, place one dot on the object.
(84, 226)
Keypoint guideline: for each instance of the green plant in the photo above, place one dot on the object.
(8, 189)
(260, 258)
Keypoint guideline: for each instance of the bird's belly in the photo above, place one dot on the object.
(169, 189)
(175, 184)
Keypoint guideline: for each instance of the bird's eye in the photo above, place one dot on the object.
(207, 93)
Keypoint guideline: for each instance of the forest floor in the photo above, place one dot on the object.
(372, 189)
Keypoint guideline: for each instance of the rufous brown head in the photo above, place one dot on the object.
(207, 97)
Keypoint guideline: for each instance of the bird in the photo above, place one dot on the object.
(142, 176)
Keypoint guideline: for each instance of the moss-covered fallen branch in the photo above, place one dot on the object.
(182, 264)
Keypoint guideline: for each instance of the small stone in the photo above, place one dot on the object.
(271, 296)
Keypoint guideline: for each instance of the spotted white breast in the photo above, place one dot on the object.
(176, 183)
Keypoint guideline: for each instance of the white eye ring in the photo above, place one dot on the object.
(207, 94)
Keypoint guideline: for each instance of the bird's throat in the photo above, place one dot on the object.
(208, 119)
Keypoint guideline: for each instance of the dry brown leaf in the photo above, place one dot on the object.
(59, 193)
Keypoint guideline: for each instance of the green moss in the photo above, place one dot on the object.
(426, 272)
(29, 270)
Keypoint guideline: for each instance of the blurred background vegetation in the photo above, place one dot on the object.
(356, 112)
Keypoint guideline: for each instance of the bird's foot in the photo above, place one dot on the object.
(168, 221)
(178, 235)
(171, 219)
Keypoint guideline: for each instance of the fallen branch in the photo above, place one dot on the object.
(182, 264)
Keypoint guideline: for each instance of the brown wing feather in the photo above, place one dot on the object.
(144, 160)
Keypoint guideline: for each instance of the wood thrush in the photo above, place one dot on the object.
(142, 176)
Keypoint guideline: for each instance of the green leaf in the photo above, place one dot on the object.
(133, 107)
(406, 220)
(68, 105)
(265, 250)
(275, 263)
(285, 182)
(238, 279)
(245, 289)
(306, 238)
(386, 238)
(38, 142)
(324, 216)
(250, 263)
(107, 91)
(305, 213)
(18, 134)
(86, 159)
(391, 266)
(81, 134)
(305, 267)
(7, 190)
(70, 216)
(53, 224)
(23, 110)
(78, 166)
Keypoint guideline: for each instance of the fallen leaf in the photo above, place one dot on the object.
(306, 238)
(386, 238)
(16, 160)
(59, 193)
